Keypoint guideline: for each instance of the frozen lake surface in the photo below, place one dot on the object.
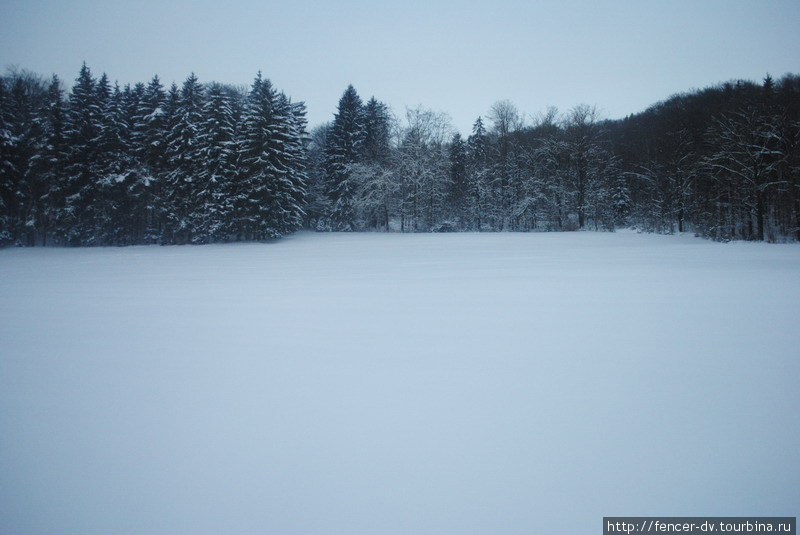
(335, 384)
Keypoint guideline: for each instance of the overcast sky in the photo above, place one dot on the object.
(450, 56)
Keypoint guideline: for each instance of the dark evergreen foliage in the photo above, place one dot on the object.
(76, 222)
(345, 148)
(377, 142)
(47, 165)
(210, 163)
(21, 133)
(458, 172)
(213, 215)
(113, 166)
(271, 170)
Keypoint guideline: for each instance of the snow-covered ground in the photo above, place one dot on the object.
(397, 384)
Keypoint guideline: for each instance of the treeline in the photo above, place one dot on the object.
(143, 165)
(723, 163)
(211, 162)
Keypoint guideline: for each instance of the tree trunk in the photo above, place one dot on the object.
(760, 214)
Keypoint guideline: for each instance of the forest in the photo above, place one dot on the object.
(211, 162)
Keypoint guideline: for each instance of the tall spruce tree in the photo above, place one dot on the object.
(318, 204)
(49, 160)
(377, 121)
(459, 186)
(271, 180)
(212, 217)
(76, 225)
(146, 152)
(290, 192)
(13, 106)
(107, 164)
(7, 168)
(257, 169)
(478, 187)
(184, 161)
(159, 204)
(19, 188)
(149, 127)
(117, 197)
(345, 149)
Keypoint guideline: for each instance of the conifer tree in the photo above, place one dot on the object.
(77, 222)
(253, 192)
(271, 185)
(212, 217)
(290, 192)
(50, 159)
(118, 198)
(105, 165)
(141, 143)
(183, 155)
(13, 108)
(149, 127)
(477, 149)
(459, 185)
(377, 147)
(6, 165)
(15, 187)
(345, 149)
(318, 203)
(159, 204)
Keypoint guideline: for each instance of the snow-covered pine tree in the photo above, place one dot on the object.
(345, 148)
(477, 177)
(318, 204)
(19, 188)
(271, 185)
(183, 156)
(11, 173)
(118, 200)
(459, 186)
(137, 179)
(288, 150)
(49, 159)
(158, 203)
(76, 224)
(251, 192)
(377, 123)
(31, 99)
(131, 104)
(105, 165)
(621, 200)
(212, 218)
(149, 127)
(7, 167)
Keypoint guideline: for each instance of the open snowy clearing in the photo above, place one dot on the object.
(397, 384)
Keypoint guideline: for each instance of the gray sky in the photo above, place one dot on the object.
(447, 55)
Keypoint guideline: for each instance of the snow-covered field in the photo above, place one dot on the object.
(397, 384)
